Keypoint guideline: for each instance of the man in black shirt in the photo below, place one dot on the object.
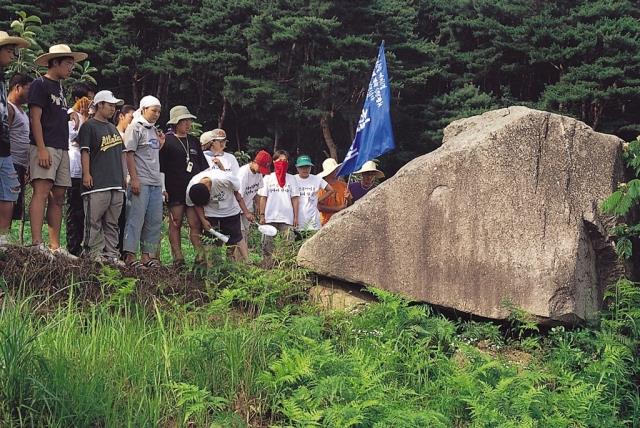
(102, 179)
(9, 184)
(181, 158)
(48, 157)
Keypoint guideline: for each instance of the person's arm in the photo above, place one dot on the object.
(263, 206)
(133, 173)
(243, 206)
(35, 117)
(11, 114)
(131, 145)
(203, 219)
(295, 202)
(87, 179)
(327, 191)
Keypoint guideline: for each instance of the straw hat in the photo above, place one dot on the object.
(370, 166)
(177, 113)
(58, 51)
(6, 39)
(328, 166)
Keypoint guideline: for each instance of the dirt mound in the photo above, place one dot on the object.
(27, 272)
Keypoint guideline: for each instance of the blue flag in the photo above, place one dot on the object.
(374, 135)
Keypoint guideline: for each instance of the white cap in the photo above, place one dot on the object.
(106, 97)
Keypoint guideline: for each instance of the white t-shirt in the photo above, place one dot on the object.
(279, 208)
(223, 202)
(228, 160)
(250, 183)
(75, 159)
(308, 214)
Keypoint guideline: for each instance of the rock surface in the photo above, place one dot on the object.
(505, 210)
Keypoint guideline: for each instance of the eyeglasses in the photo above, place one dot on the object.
(220, 141)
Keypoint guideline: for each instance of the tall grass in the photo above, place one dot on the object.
(259, 354)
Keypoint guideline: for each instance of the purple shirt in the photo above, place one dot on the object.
(357, 191)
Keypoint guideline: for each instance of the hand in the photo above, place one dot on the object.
(262, 219)
(347, 194)
(206, 226)
(44, 158)
(165, 197)
(135, 186)
(87, 181)
(218, 162)
(295, 221)
(162, 138)
(250, 217)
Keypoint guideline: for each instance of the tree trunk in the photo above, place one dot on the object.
(328, 138)
(135, 93)
(223, 114)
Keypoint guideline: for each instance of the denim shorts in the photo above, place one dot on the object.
(9, 184)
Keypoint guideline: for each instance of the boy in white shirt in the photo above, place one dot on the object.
(213, 144)
(214, 193)
(309, 185)
(279, 197)
(250, 176)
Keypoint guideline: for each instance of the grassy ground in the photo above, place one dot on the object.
(255, 352)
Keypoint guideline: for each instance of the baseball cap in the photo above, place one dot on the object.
(106, 97)
(263, 159)
(209, 136)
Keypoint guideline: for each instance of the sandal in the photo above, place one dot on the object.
(136, 264)
(152, 263)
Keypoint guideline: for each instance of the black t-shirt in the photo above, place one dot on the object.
(174, 158)
(5, 147)
(104, 143)
(49, 95)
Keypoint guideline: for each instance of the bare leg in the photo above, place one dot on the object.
(54, 215)
(195, 229)
(6, 213)
(41, 189)
(176, 215)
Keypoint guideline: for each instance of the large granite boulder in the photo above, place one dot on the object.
(506, 210)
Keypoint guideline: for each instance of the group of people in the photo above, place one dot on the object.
(117, 169)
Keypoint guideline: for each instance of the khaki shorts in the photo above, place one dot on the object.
(59, 171)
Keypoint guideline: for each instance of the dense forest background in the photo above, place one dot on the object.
(293, 73)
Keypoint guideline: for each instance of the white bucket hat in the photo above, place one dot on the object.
(58, 51)
(370, 166)
(6, 39)
(328, 166)
(177, 113)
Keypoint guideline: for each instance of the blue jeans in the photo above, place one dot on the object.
(144, 220)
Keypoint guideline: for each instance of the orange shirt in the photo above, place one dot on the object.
(336, 200)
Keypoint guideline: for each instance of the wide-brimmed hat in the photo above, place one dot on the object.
(58, 51)
(209, 136)
(106, 97)
(177, 113)
(6, 39)
(328, 166)
(263, 159)
(370, 166)
(304, 160)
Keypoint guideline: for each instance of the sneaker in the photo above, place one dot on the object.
(5, 241)
(61, 252)
(42, 249)
(117, 262)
